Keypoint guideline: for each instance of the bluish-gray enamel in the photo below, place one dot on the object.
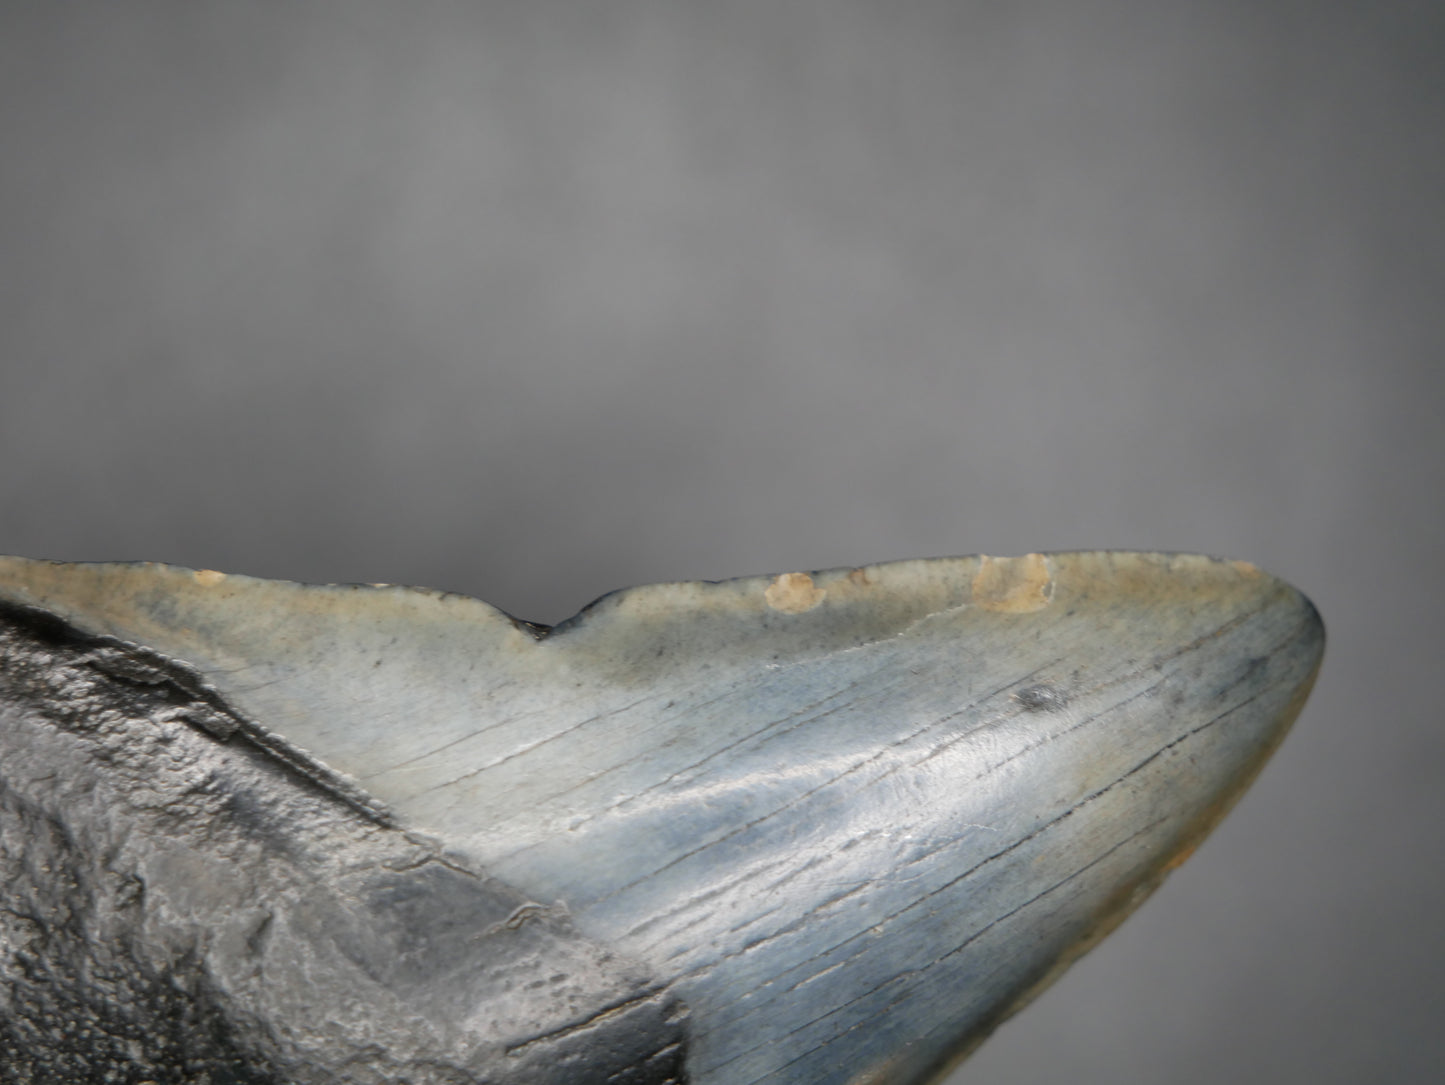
(851, 819)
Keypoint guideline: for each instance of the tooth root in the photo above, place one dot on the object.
(850, 819)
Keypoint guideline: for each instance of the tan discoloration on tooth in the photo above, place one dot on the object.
(793, 593)
(208, 578)
(1013, 585)
(1180, 858)
(1247, 568)
(860, 577)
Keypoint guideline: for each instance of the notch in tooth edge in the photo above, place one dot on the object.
(851, 818)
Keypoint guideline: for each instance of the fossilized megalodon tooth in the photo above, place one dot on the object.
(806, 829)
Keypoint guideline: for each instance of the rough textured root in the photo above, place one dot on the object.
(80, 1000)
(178, 908)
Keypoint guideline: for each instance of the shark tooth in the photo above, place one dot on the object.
(817, 828)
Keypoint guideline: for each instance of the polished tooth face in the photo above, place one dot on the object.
(828, 827)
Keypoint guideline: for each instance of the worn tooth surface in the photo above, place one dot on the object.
(850, 819)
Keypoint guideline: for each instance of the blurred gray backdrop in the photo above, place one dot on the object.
(534, 300)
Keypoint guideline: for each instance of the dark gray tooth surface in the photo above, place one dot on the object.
(813, 828)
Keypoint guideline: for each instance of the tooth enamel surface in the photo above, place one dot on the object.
(850, 818)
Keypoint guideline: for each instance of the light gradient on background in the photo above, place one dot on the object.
(534, 300)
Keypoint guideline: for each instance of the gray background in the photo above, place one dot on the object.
(535, 300)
